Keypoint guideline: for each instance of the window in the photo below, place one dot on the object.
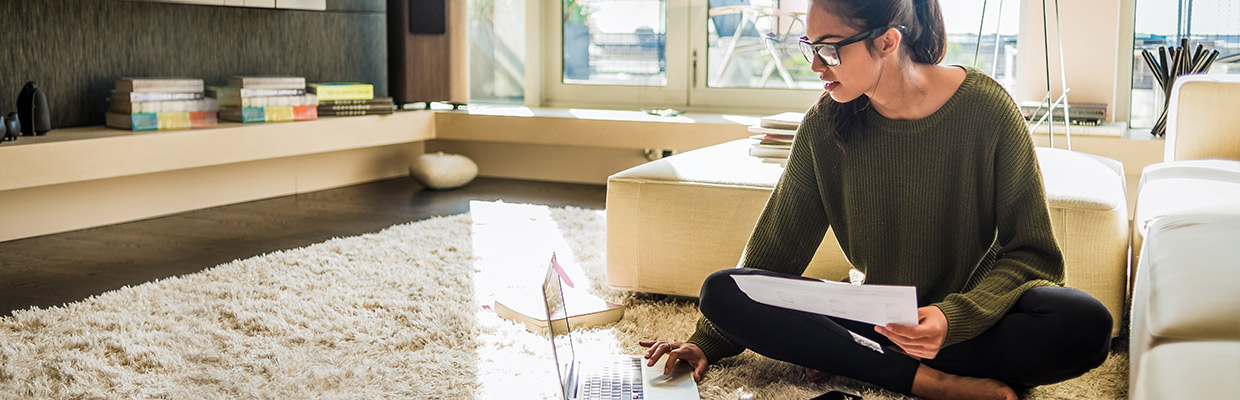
(996, 54)
(700, 54)
(1214, 24)
(496, 32)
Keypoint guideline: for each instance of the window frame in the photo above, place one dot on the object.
(686, 88)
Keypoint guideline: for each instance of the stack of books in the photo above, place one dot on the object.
(1085, 114)
(350, 98)
(144, 104)
(265, 99)
(774, 134)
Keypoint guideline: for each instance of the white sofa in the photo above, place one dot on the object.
(1185, 333)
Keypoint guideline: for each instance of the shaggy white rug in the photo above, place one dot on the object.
(395, 314)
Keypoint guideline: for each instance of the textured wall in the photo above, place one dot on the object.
(76, 49)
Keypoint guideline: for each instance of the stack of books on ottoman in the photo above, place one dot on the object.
(144, 104)
(265, 99)
(350, 98)
(774, 134)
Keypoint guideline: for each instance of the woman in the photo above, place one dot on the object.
(927, 176)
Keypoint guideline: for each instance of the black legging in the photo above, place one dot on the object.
(1050, 335)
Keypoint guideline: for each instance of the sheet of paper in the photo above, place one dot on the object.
(874, 304)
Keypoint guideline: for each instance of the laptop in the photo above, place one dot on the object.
(616, 377)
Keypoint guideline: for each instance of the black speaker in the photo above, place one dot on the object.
(33, 112)
(426, 17)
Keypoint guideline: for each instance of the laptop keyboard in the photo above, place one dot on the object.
(619, 379)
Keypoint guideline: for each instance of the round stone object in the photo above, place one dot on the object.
(443, 171)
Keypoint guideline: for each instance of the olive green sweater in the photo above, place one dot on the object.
(952, 204)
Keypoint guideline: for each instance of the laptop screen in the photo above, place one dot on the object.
(558, 329)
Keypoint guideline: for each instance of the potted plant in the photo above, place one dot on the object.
(576, 40)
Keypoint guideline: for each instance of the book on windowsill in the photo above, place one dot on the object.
(769, 151)
(772, 131)
(586, 310)
(783, 162)
(786, 120)
(343, 90)
(773, 139)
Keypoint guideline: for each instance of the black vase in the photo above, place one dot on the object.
(11, 126)
(32, 110)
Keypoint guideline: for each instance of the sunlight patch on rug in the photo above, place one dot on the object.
(394, 314)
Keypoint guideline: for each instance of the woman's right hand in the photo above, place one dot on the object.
(675, 351)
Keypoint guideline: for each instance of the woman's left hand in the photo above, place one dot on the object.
(921, 341)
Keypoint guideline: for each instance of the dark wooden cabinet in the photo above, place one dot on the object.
(420, 37)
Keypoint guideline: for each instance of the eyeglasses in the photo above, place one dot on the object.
(829, 53)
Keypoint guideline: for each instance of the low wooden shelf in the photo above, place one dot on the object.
(96, 152)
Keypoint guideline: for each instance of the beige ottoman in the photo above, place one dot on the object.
(1187, 287)
(1089, 213)
(672, 222)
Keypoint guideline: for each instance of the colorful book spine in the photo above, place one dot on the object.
(269, 114)
(162, 121)
(343, 91)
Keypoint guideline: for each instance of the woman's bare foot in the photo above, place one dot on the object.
(932, 384)
(816, 376)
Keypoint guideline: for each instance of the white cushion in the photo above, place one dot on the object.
(1195, 370)
(1185, 287)
(1202, 121)
(1185, 187)
(722, 164)
(1194, 277)
(1080, 180)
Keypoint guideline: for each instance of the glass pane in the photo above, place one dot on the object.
(1214, 24)
(615, 42)
(738, 59)
(496, 51)
(996, 54)
(737, 56)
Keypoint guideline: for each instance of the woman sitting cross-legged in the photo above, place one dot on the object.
(927, 176)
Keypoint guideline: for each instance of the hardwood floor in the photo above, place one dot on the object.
(55, 269)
